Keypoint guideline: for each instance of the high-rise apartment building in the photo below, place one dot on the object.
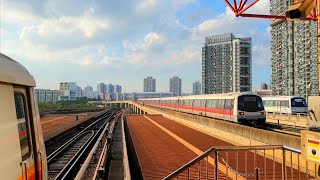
(88, 92)
(196, 88)
(294, 54)
(175, 86)
(117, 88)
(108, 91)
(149, 84)
(226, 64)
(109, 88)
(101, 88)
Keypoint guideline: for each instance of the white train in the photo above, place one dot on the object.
(22, 151)
(285, 104)
(236, 107)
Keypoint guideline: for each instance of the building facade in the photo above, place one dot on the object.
(118, 88)
(108, 92)
(294, 54)
(263, 92)
(149, 84)
(88, 92)
(145, 95)
(175, 86)
(101, 89)
(196, 88)
(226, 64)
(68, 89)
(47, 95)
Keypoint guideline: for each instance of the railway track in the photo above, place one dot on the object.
(65, 162)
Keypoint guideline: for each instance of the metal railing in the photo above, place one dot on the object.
(247, 162)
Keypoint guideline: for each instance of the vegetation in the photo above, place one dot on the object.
(79, 103)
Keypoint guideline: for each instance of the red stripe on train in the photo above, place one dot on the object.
(195, 108)
(22, 133)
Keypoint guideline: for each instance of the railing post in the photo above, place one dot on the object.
(284, 167)
(257, 173)
(216, 165)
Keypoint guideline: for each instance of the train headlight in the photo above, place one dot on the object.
(241, 113)
(261, 113)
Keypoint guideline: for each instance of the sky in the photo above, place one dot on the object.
(124, 41)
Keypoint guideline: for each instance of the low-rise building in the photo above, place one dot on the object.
(47, 95)
(263, 92)
(145, 95)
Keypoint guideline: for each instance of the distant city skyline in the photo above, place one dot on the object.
(151, 40)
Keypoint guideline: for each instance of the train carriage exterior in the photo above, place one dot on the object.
(285, 104)
(22, 151)
(237, 107)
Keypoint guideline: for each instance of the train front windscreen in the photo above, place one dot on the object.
(250, 103)
(298, 102)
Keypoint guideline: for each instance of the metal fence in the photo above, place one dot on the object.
(248, 162)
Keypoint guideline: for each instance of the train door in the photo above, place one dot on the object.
(23, 114)
(228, 109)
(283, 105)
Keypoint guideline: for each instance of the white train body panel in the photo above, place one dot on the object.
(219, 106)
(22, 151)
(285, 104)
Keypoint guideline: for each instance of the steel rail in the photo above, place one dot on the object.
(71, 166)
(85, 165)
(61, 148)
(61, 159)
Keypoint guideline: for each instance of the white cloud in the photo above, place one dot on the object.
(86, 62)
(66, 31)
(145, 34)
(18, 13)
(146, 5)
(106, 60)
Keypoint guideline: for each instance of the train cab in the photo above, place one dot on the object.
(22, 151)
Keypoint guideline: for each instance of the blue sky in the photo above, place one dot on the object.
(124, 41)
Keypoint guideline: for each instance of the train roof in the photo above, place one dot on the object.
(13, 72)
(280, 97)
(206, 96)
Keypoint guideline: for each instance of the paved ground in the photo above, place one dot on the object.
(50, 122)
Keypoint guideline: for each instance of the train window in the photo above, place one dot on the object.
(284, 103)
(250, 103)
(22, 118)
(298, 102)
(228, 104)
(268, 103)
(220, 104)
(196, 102)
(210, 103)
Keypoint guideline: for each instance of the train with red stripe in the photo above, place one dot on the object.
(241, 108)
(22, 151)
